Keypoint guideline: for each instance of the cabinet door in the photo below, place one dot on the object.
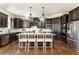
(5, 39)
(72, 44)
(77, 13)
(0, 40)
(3, 20)
(15, 23)
(74, 15)
(18, 23)
(70, 16)
(0, 20)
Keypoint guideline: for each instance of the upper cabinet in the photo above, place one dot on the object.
(56, 20)
(3, 20)
(64, 20)
(18, 23)
(74, 14)
(56, 24)
(48, 23)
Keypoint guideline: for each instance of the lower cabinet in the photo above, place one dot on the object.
(4, 39)
(72, 44)
(7, 38)
(64, 37)
(13, 37)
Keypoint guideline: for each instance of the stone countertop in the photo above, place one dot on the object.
(17, 30)
(9, 31)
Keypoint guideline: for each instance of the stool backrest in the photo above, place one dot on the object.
(40, 36)
(31, 36)
(48, 36)
(22, 36)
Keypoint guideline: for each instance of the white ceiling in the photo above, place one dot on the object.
(51, 9)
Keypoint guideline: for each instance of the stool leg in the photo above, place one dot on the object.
(21, 45)
(28, 46)
(51, 46)
(36, 46)
(43, 46)
(25, 45)
(18, 45)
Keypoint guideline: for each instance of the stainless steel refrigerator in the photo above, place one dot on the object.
(73, 35)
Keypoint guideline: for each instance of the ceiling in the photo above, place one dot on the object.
(51, 9)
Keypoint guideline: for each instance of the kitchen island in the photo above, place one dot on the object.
(9, 35)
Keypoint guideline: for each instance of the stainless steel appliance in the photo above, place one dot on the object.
(73, 35)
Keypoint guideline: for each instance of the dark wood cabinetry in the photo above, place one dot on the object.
(64, 20)
(3, 20)
(4, 39)
(48, 23)
(74, 14)
(18, 23)
(13, 37)
(7, 38)
(56, 24)
(73, 42)
(56, 20)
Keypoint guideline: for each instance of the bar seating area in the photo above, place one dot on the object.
(35, 40)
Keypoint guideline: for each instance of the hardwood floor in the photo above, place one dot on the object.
(60, 48)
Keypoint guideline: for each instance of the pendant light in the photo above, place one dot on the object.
(43, 17)
(43, 11)
(43, 14)
(30, 15)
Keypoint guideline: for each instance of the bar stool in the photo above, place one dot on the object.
(48, 39)
(40, 39)
(23, 38)
(31, 39)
